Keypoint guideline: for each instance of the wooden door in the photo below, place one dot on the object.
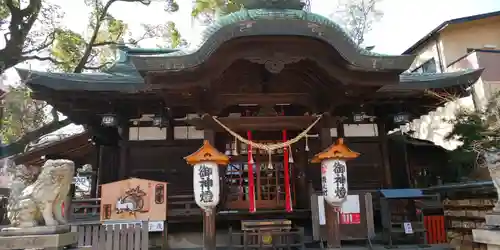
(268, 175)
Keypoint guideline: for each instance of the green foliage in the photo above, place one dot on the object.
(468, 128)
(213, 8)
(175, 35)
(21, 114)
(67, 49)
(25, 119)
(478, 130)
(4, 10)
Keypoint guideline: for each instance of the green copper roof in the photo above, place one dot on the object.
(272, 22)
(421, 81)
(86, 81)
(121, 76)
(110, 82)
(124, 67)
(273, 4)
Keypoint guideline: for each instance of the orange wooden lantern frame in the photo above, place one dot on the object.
(338, 151)
(207, 152)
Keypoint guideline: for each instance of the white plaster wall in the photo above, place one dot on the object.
(427, 52)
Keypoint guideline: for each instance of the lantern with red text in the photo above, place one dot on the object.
(334, 171)
(206, 175)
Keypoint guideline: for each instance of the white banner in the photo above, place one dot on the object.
(350, 210)
(153, 226)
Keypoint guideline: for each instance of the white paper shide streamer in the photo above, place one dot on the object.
(206, 185)
(334, 181)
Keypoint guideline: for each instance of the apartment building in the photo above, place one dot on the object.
(471, 42)
(464, 43)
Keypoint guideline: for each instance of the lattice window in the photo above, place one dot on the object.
(268, 180)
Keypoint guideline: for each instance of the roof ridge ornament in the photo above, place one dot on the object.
(273, 4)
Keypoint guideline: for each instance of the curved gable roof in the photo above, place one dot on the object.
(272, 22)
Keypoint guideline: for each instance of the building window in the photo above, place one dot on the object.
(360, 130)
(187, 133)
(147, 134)
(333, 132)
(427, 67)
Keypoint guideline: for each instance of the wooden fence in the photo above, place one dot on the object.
(112, 237)
(290, 239)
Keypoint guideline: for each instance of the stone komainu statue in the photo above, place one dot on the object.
(36, 199)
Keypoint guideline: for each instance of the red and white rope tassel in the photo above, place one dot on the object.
(251, 184)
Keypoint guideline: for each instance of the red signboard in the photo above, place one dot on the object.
(350, 218)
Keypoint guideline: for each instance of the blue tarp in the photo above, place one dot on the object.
(401, 193)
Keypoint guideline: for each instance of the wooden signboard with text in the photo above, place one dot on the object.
(134, 200)
(355, 218)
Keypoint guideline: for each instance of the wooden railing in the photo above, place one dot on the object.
(93, 235)
(182, 204)
(293, 239)
(179, 205)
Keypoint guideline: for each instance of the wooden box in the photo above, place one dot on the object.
(134, 200)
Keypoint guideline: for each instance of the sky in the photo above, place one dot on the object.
(404, 21)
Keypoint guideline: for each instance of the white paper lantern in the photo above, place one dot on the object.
(334, 181)
(206, 185)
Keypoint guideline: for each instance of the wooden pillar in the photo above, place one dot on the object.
(303, 195)
(101, 169)
(164, 244)
(209, 242)
(382, 135)
(332, 226)
(332, 216)
(209, 236)
(95, 169)
(123, 171)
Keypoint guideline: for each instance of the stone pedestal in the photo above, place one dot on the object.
(490, 236)
(44, 241)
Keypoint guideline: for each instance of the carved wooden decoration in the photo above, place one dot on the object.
(336, 151)
(276, 62)
(134, 200)
(207, 152)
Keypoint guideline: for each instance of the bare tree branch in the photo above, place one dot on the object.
(49, 40)
(41, 58)
(107, 43)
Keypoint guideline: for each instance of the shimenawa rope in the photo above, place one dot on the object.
(268, 147)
